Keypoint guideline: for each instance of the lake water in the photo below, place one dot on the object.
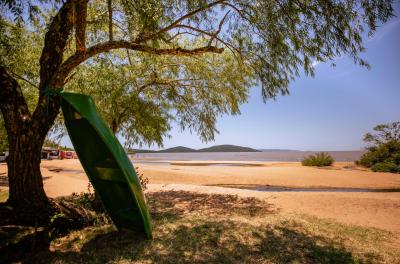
(244, 156)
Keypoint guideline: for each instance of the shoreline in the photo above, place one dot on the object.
(370, 209)
(263, 156)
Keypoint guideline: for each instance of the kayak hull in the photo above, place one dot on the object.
(106, 164)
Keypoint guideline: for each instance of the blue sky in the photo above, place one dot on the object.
(331, 111)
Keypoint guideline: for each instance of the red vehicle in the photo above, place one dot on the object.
(66, 154)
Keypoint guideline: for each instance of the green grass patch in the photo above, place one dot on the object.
(203, 228)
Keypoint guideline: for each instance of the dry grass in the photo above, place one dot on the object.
(3, 196)
(203, 228)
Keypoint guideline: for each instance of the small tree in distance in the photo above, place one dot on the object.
(383, 152)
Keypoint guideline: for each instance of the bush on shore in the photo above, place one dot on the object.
(386, 167)
(383, 158)
(320, 159)
(383, 154)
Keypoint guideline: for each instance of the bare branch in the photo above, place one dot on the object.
(24, 79)
(79, 57)
(110, 25)
(166, 82)
(129, 57)
(212, 35)
(69, 77)
(80, 14)
(178, 34)
(176, 22)
(219, 28)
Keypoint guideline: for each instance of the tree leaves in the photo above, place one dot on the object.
(265, 42)
(384, 133)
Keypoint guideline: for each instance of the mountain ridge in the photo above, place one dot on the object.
(182, 149)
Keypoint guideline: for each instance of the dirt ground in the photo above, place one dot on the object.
(372, 209)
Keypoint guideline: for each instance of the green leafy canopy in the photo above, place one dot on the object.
(221, 47)
(140, 98)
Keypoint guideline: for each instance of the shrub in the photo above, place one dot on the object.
(143, 180)
(384, 157)
(320, 159)
(386, 166)
(383, 154)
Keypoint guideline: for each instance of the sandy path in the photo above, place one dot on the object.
(380, 210)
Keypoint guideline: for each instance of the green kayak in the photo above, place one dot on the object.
(105, 162)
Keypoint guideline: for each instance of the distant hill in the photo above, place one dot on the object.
(133, 151)
(278, 150)
(181, 149)
(178, 149)
(227, 148)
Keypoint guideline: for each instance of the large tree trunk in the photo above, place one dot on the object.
(25, 179)
(25, 130)
(25, 139)
(26, 193)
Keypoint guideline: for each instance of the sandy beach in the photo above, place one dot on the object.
(371, 209)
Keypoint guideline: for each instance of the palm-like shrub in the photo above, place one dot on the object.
(320, 159)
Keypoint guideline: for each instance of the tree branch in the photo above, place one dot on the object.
(215, 34)
(78, 58)
(110, 25)
(166, 82)
(12, 103)
(24, 79)
(54, 44)
(176, 22)
(129, 57)
(240, 12)
(80, 14)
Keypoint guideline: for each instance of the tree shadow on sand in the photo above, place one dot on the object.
(202, 228)
(4, 179)
(172, 205)
(208, 242)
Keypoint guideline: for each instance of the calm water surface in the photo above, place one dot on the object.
(242, 156)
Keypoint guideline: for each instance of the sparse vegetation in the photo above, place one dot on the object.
(3, 196)
(143, 179)
(320, 159)
(383, 152)
(198, 228)
(53, 143)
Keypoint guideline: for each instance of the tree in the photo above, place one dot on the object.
(3, 136)
(20, 50)
(383, 134)
(139, 100)
(383, 152)
(273, 38)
